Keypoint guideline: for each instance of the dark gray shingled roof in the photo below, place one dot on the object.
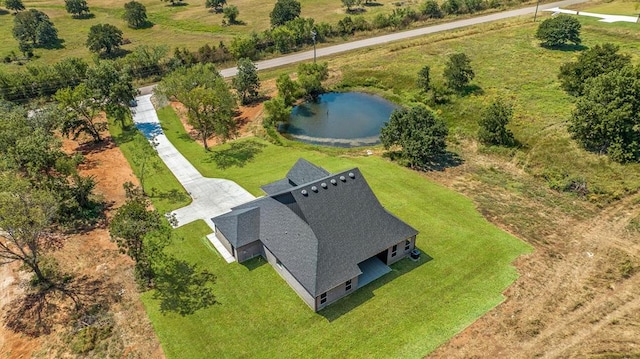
(240, 226)
(302, 172)
(321, 236)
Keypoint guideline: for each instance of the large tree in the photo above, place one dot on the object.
(607, 117)
(104, 38)
(493, 124)
(135, 14)
(419, 134)
(77, 8)
(231, 14)
(34, 26)
(277, 111)
(287, 89)
(310, 77)
(140, 233)
(14, 5)
(112, 89)
(284, 11)
(246, 82)
(209, 102)
(591, 63)
(558, 30)
(81, 112)
(458, 72)
(26, 217)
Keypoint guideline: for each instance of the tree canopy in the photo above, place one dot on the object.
(458, 72)
(493, 122)
(135, 14)
(210, 105)
(310, 77)
(81, 111)
(284, 11)
(418, 132)
(591, 63)
(34, 26)
(77, 8)
(558, 30)
(26, 216)
(14, 5)
(104, 38)
(246, 81)
(231, 14)
(287, 89)
(111, 89)
(424, 79)
(607, 117)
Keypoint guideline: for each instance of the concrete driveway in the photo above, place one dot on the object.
(211, 196)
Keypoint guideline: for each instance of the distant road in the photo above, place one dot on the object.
(379, 40)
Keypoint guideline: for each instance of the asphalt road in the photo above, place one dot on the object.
(379, 40)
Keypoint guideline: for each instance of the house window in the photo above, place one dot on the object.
(278, 263)
(407, 245)
(323, 298)
(348, 285)
(394, 249)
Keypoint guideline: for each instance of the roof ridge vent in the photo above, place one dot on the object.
(343, 179)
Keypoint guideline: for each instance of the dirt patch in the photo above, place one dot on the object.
(93, 254)
(249, 118)
(579, 291)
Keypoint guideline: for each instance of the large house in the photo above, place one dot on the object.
(325, 234)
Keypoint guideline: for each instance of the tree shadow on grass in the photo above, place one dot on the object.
(238, 154)
(366, 293)
(3, 12)
(114, 54)
(173, 195)
(566, 47)
(53, 45)
(84, 16)
(146, 25)
(183, 288)
(437, 163)
(373, 4)
(472, 89)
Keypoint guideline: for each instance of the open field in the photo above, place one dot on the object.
(628, 7)
(407, 313)
(190, 26)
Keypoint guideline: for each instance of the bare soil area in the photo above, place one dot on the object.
(92, 254)
(579, 291)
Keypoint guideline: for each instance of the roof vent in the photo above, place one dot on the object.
(314, 188)
(352, 175)
(304, 192)
(323, 185)
(333, 181)
(343, 179)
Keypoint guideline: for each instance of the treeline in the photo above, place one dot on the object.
(152, 62)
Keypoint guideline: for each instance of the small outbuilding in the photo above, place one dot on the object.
(325, 234)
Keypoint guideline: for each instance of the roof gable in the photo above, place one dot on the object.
(304, 171)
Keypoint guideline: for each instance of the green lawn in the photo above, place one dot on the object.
(407, 313)
(629, 8)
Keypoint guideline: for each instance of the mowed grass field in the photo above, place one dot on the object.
(407, 313)
(190, 26)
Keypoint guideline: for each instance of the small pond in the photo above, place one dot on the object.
(348, 119)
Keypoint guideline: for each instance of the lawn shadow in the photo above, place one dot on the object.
(177, 4)
(373, 3)
(84, 16)
(146, 25)
(254, 263)
(173, 196)
(54, 45)
(566, 47)
(238, 154)
(183, 288)
(472, 89)
(356, 11)
(366, 293)
(444, 161)
(114, 54)
(3, 12)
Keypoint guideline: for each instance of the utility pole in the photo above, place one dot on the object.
(535, 16)
(313, 36)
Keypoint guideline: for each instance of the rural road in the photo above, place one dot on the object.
(379, 40)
